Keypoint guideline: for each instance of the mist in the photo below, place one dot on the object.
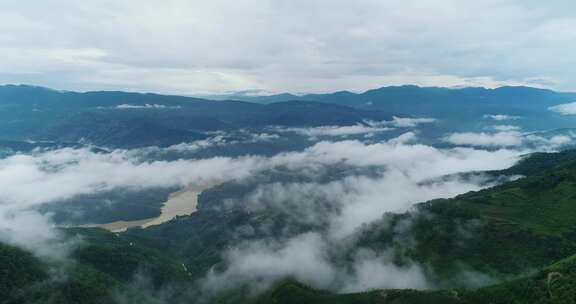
(405, 169)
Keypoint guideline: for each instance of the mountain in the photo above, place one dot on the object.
(513, 242)
(462, 107)
(128, 120)
(121, 119)
(412, 94)
(246, 96)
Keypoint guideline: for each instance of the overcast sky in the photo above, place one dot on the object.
(214, 46)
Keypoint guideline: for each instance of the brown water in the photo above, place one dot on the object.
(179, 203)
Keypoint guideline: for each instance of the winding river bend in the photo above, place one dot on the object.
(183, 202)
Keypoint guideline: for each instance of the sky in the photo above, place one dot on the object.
(194, 47)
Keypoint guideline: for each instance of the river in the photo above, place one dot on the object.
(179, 203)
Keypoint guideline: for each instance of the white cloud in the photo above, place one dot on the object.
(146, 106)
(302, 257)
(65, 173)
(564, 109)
(352, 202)
(406, 138)
(559, 140)
(220, 140)
(402, 122)
(541, 142)
(506, 128)
(500, 139)
(336, 130)
(501, 117)
(550, 143)
(371, 127)
(33, 232)
(372, 273)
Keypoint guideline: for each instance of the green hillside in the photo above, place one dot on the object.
(520, 233)
(554, 285)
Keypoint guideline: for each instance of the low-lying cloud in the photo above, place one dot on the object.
(145, 106)
(367, 129)
(509, 136)
(221, 140)
(401, 122)
(506, 128)
(501, 117)
(564, 109)
(408, 122)
(406, 168)
(336, 131)
(354, 201)
(482, 139)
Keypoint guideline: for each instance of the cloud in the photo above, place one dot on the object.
(30, 180)
(145, 106)
(285, 46)
(564, 109)
(34, 232)
(336, 131)
(406, 138)
(511, 138)
(501, 117)
(372, 273)
(336, 208)
(371, 127)
(500, 139)
(403, 122)
(219, 140)
(506, 128)
(61, 174)
(339, 208)
(302, 257)
(551, 142)
(65, 173)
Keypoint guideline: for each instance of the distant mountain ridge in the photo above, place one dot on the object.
(37, 113)
(410, 92)
(138, 119)
(462, 107)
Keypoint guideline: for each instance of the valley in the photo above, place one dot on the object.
(288, 152)
(138, 200)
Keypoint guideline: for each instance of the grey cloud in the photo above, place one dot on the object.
(296, 46)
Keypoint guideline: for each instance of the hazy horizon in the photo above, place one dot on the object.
(196, 47)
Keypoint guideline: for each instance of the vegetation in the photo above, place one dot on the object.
(555, 284)
(521, 232)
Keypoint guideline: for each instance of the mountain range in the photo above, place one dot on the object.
(122, 119)
(280, 179)
(455, 106)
